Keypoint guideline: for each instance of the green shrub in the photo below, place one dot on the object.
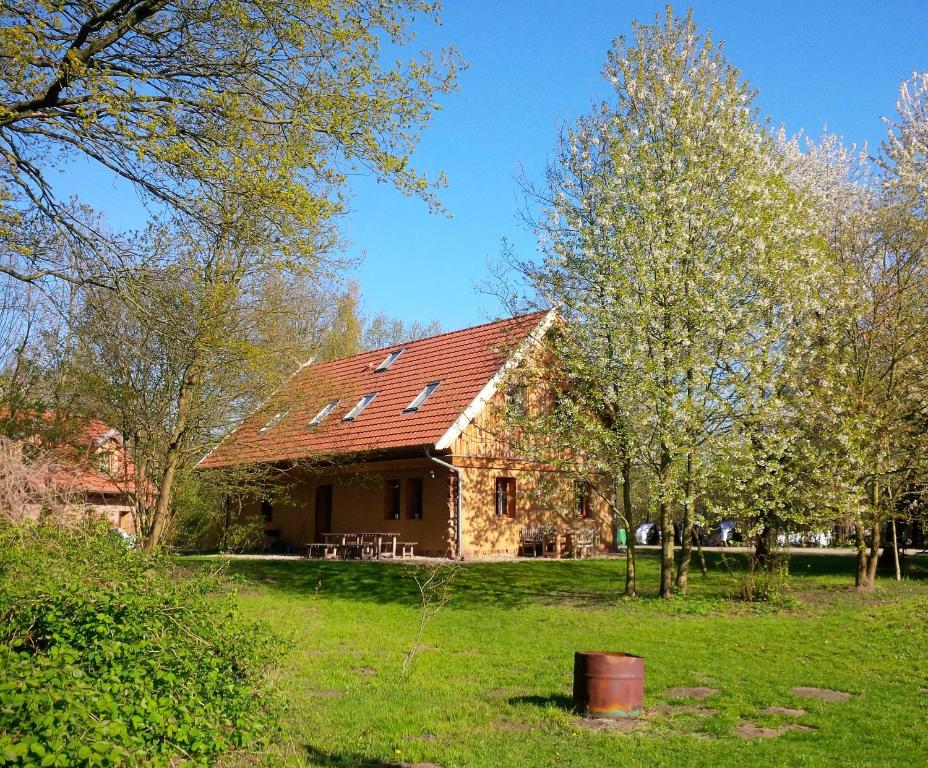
(108, 658)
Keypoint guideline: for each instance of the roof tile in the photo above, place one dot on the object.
(464, 361)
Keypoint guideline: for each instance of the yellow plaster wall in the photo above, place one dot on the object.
(358, 506)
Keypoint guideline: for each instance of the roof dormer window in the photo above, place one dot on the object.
(362, 404)
(275, 419)
(326, 410)
(388, 361)
(424, 395)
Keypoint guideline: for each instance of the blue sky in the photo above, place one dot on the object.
(534, 65)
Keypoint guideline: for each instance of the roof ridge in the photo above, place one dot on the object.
(404, 344)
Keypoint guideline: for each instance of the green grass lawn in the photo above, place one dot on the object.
(492, 685)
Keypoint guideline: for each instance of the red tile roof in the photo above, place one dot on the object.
(464, 361)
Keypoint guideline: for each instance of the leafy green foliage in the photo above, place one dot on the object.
(107, 657)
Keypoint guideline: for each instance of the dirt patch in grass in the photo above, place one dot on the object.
(418, 765)
(696, 692)
(788, 711)
(367, 671)
(749, 730)
(611, 725)
(823, 694)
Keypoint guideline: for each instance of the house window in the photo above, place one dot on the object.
(582, 494)
(267, 511)
(275, 419)
(505, 497)
(326, 410)
(414, 498)
(392, 500)
(362, 404)
(424, 395)
(390, 359)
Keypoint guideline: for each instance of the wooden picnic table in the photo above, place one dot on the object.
(382, 544)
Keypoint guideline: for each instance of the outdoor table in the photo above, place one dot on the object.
(554, 544)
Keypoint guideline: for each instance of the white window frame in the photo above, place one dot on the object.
(326, 410)
(274, 421)
(389, 360)
(419, 400)
(365, 401)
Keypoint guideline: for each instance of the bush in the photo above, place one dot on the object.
(108, 658)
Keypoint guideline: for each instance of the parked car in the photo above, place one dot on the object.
(648, 533)
(806, 539)
(721, 535)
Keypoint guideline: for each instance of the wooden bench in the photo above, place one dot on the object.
(531, 542)
(582, 542)
(328, 550)
(406, 548)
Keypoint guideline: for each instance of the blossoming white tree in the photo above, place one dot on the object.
(684, 263)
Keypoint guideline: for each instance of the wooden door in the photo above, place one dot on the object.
(323, 511)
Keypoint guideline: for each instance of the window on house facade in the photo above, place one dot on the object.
(275, 419)
(326, 410)
(391, 500)
(414, 498)
(505, 497)
(424, 395)
(582, 495)
(388, 361)
(267, 511)
(362, 404)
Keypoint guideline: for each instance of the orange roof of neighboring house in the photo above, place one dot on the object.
(466, 363)
(80, 472)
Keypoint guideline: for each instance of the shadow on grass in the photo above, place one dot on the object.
(555, 700)
(317, 756)
(585, 584)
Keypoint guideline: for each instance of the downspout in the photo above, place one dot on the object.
(457, 500)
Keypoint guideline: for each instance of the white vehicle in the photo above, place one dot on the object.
(647, 533)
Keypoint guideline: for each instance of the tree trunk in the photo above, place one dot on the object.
(860, 578)
(702, 555)
(631, 585)
(171, 461)
(896, 551)
(686, 542)
(667, 548)
(762, 548)
(874, 558)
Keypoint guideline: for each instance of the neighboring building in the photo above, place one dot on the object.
(88, 469)
(101, 475)
(401, 440)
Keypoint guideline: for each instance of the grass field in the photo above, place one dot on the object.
(492, 685)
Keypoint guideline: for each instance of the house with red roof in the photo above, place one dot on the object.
(82, 467)
(401, 440)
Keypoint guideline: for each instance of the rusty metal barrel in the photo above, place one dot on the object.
(608, 684)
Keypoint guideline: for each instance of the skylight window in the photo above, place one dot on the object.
(326, 410)
(275, 419)
(362, 404)
(390, 359)
(424, 395)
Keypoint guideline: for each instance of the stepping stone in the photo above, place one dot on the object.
(823, 694)
(788, 711)
(699, 692)
(749, 730)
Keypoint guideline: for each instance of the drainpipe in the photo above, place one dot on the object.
(457, 500)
